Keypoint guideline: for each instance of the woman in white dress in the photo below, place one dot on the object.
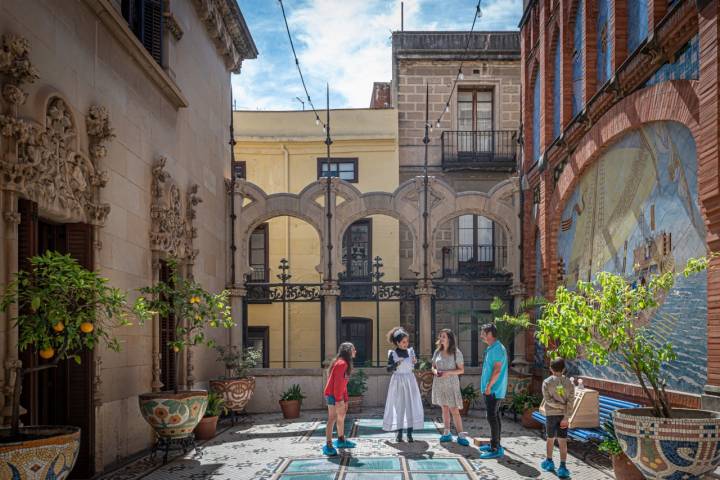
(447, 365)
(403, 406)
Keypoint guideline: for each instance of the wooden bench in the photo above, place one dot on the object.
(607, 405)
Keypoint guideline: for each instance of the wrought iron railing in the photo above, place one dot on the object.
(474, 261)
(479, 149)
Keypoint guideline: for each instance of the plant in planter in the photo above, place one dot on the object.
(62, 309)
(207, 427)
(357, 386)
(291, 401)
(622, 466)
(524, 404)
(175, 414)
(469, 395)
(424, 376)
(606, 320)
(237, 387)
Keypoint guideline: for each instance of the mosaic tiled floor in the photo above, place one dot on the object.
(268, 447)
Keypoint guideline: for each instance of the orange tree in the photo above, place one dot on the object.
(191, 307)
(62, 309)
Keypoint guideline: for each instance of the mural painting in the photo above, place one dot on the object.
(635, 211)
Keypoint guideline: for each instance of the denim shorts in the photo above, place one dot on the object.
(330, 400)
(552, 427)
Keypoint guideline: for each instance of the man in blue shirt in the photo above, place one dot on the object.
(493, 384)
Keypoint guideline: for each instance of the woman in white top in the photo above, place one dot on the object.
(447, 365)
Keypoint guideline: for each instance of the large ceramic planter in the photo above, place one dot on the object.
(466, 407)
(207, 428)
(355, 403)
(685, 446)
(425, 383)
(527, 420)
(51, 452)
(173, 415)
(290, 408)
(624, 469)
(236, 392)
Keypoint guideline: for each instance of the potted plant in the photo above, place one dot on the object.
(291, 401)
(62, 309)
(237, 387)
(424, 376)
(356, 387)
(469, 395)
(175, 414)
(207, 427)
(524, 404)
(607, 320)
(622, 466)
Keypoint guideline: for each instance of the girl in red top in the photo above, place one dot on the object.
(336, 395)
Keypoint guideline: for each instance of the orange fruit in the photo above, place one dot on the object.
(47, 353)
(176, 349)
(87, 327)
(59, 327)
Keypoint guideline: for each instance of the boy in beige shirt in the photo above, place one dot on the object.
(559, 396)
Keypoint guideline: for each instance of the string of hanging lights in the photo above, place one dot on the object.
(460, 76)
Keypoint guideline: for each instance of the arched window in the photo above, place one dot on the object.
(578, 69)
(604, 42)
(536, 117)
(557, 80)
(637, 23)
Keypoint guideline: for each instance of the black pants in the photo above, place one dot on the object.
(493, 416)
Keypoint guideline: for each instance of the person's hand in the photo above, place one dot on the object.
(487, 390)
(414, 360)
(564, 424)
(435, 372)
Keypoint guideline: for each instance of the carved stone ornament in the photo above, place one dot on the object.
(172, 229)
(435, 197)
(40, 160)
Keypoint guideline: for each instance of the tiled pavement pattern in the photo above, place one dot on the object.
(269, 447)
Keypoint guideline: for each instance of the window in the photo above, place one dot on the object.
(557, 79)
(536, 118)
(168, 333)
(476, 239)
(145, 18)
(344, 168)
(259, 339)
(638, 22)
(604, 42)
(239, 170)
(259, 254)
(578, 69)
(357, 250)
(475, 120)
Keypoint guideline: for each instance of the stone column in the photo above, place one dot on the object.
(330, 295)
(8, 267)
(425, 292)
(519, 362)
(237, 332)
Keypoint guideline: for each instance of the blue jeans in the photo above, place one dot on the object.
(330, 400)
(493, 416)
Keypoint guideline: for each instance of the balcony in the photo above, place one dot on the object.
(479, 262)
(489, 150)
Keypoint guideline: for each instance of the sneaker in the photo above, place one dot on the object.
(410, 437)
(485, 448)
(563, 472)
(344, 444)
(463, 442)
(499, 453)
(446, 438)
(548, 465)
(329, 451)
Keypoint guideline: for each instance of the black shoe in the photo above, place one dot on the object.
(409, 435)
(398, 437)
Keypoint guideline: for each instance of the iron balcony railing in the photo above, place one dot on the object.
(480, 150)
(474, 261)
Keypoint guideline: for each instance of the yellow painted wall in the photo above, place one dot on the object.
(281, 151)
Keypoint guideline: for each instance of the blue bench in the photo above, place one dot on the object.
(607, 406)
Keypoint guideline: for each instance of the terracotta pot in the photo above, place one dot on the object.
(173, 415)
(624, 469)
(236, 392)
(684, 446)
(425, 383)
(206, 429)
(290, 408)
(466, 407)
(49, 452)
(528, 421)
(355, 404)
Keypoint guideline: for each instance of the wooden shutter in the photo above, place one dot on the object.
(168, 364)
(152, 28)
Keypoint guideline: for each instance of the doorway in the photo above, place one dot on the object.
(358, 331)
(47, 395)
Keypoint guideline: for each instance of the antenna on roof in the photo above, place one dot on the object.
(402, 16)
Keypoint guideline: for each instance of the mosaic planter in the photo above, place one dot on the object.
(624, 469)
(173, 415)
(51, 454)
(236, 392)
(683, 447)
(425, 383)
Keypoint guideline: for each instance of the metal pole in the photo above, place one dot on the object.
(284, 277)
(376, 276)
(328, 142)
(426, 244)
(233, 247)
(402, 16)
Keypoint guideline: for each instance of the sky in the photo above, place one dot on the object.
(343, 43)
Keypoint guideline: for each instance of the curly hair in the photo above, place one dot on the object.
(396, 335)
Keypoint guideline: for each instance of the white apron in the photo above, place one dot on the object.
(403, 406)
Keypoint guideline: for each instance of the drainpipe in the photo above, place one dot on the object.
(286, 162)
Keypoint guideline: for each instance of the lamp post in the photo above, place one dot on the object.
(376, 275)
(284, 276)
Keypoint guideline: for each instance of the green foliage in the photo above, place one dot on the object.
(193, 308)
(238, 360)
(469, 392)
(293, 393)
(216, 405)
(55, 299)
(524, 401)
(424, 365)
(610, 444)
(357, 384)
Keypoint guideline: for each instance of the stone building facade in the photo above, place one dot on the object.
(620, 116)
(114, 148)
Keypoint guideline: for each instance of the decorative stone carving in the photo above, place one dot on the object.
(97, 383)
(172, 229)
(172, 25)
(15, 66)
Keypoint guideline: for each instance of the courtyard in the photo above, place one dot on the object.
(266, 446)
